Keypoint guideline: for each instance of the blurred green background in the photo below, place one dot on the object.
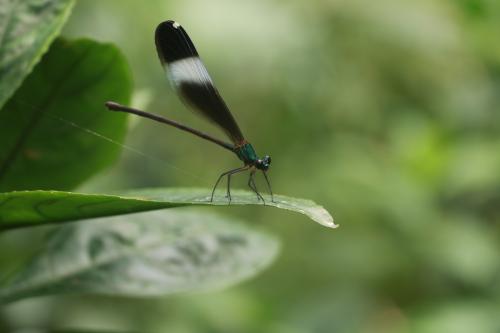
(386, 112)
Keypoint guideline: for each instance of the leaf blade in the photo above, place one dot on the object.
(48, 125)
(27, 208)
(144, 255)
(26, 30)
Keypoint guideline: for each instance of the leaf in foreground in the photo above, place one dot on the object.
(144, 255)
(26, 208)
(27, 28)
(45, 128)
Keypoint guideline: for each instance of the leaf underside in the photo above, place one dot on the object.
(27, 28)
(144, 255)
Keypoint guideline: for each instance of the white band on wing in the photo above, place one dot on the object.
(188, 70)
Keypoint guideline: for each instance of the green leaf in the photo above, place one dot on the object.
(144, 255)
(84, 331)
(27, 208)
(27, 27)
(45, 129)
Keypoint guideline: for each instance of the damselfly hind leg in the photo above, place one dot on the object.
(228, 174)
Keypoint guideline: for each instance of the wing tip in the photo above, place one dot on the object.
(173, 43)
(170, 24)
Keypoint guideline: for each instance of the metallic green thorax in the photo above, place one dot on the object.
(246, 153)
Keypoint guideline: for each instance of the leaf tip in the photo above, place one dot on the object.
(327, 220)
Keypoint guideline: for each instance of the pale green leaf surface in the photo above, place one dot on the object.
(144, 255)
(26, 208)
(27, 27)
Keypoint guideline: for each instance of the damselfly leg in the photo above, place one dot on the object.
(228, 174)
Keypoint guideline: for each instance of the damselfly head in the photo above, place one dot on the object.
(264, 163)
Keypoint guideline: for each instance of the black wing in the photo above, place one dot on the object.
(190, 77)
